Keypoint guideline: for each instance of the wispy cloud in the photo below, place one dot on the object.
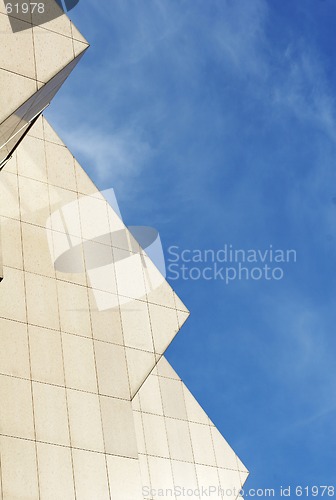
(160, 47)
(116, 156)
(304, 89)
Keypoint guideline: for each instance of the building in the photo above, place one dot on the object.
(90, 408)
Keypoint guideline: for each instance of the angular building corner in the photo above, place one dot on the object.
(90, 407)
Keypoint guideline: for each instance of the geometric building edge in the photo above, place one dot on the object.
(91, 407)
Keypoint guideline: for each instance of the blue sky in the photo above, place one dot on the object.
(215, 122)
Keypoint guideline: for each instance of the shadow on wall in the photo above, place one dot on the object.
(22, 13)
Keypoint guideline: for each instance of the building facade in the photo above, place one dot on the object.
(89, 406)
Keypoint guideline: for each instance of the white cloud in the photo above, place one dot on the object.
(118, 156)
(293, 81)
(290, 83)
(239, 34)
(304, 90)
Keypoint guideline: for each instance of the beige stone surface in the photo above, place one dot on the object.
(177, 443)
(14, 352)
(46, 356)
(55, 472)
(50, 413)
(90, 408)
(18, 468)
(36, 56)
(90, 475)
